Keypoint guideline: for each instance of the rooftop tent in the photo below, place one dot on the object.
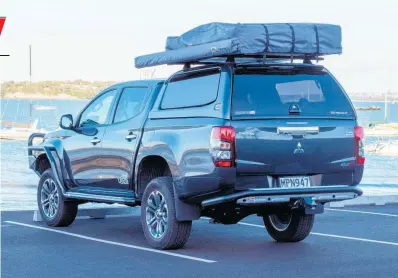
(245, 40)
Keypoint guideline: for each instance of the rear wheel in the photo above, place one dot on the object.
(53, 207)
(289, 227)
(158, 216)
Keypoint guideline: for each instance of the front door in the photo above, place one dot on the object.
(83, 144)
(122, 137)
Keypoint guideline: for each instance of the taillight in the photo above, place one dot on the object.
(222, 146)
(359, 147)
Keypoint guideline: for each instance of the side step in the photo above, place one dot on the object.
(102, 195)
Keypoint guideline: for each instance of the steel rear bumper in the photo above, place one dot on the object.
(258, 196)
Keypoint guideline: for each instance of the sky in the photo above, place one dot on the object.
(98, 39)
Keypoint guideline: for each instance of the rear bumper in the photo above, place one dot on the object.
(259, 196)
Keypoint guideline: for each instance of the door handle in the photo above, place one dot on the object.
(95, 141)
(130, 137)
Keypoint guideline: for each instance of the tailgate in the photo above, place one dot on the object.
(293, 122)
(294, 147)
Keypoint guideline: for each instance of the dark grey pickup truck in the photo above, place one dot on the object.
(224, 141)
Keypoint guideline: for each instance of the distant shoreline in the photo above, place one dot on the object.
(41, 90)
(39, 96)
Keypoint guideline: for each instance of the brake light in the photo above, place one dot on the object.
(359, 147)
(222, 146)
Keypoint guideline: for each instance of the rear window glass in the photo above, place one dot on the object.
(273, 94)
(191, 89)
(130, 103)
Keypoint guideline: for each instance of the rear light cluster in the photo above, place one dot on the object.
(222, 146)
(359, 147)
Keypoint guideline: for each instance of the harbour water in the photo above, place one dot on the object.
(18, 183)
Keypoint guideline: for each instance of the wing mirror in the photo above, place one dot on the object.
(66, 121)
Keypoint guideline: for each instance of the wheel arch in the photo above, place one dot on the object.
(150, 167)
(154, 166)
(42, 164)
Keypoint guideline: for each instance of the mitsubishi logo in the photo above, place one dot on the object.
(299, 149)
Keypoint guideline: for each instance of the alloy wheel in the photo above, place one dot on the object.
(49, 198)
(156, 214)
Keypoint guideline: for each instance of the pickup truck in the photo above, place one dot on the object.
(224, 141)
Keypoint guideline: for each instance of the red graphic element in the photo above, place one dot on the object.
(2, 21)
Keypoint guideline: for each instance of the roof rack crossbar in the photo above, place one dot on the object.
(256, 58)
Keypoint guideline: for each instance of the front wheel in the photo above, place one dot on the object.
(53, 207)
(158, 216)
(289, 227)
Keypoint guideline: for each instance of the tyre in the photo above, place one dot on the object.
(289, 227)
(158, 216)
(54, 209)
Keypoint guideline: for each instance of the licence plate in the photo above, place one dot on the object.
(295, 182)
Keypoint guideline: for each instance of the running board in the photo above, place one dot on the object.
(99, 198)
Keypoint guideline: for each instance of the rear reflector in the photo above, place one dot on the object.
(222, 163)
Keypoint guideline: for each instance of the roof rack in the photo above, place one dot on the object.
(252, 59)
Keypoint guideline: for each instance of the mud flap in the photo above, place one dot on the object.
(184, 211)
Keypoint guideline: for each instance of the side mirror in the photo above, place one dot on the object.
(66, 121)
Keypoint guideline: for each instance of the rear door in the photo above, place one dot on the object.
(293, 122)
(122, 137)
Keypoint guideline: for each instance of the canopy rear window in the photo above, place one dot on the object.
(272, 94)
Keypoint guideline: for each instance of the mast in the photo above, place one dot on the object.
(30, 63)
(385, 106)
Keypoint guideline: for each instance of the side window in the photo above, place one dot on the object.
(130, 104)
(191, 89)
(97, 112)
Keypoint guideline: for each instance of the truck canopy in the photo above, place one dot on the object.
(289, 40)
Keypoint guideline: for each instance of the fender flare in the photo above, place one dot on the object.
(57, 160)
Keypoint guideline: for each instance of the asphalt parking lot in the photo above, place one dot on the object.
(349, 242)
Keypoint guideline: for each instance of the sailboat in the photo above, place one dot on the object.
(44, 107)
(14, 130)
(19, 131)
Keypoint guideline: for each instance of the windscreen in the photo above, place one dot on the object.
(261, 93)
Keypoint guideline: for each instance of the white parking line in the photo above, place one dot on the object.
(330, 235)
(113, 242)
(357, 239)
(364, 212)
